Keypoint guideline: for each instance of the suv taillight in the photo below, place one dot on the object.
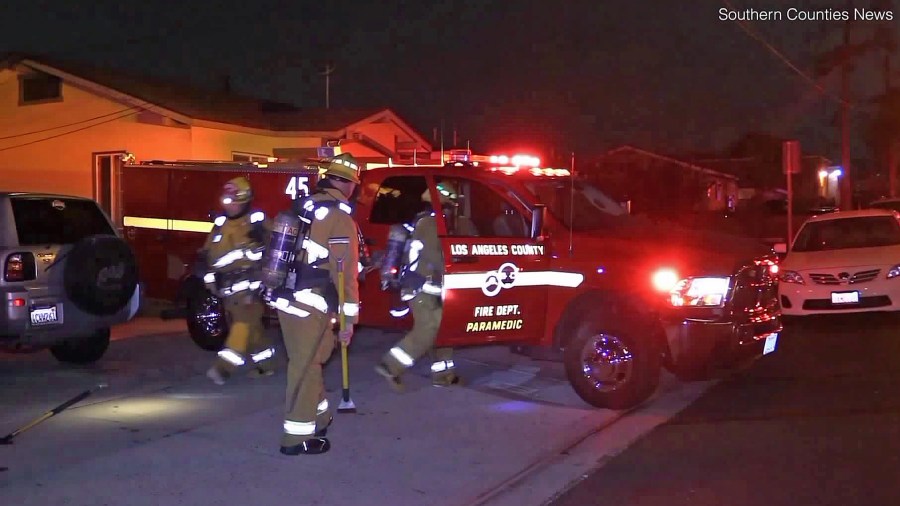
(19, 267)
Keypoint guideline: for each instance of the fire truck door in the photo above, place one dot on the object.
(495, 285)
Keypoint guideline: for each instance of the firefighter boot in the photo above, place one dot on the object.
(312, 446)
(393, 380)
(218, 375)
(443, 370)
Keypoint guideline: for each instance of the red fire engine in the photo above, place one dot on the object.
(550, 264)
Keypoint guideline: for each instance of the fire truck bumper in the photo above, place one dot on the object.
(720, 342)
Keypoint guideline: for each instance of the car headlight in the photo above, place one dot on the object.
(894, 272)
(700, 292)
(791, 277)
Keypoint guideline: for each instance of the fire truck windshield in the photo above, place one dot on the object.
(592, 208)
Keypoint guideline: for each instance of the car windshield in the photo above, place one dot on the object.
(47, 220)
(846, 233)
(592, 208)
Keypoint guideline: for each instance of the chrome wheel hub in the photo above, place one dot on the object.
(606, 362)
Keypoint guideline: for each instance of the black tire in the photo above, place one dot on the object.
(612, 386)
(100, 275)
(84, 350)
(207, 322)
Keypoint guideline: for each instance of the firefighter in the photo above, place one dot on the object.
(306, 318)
(233, 250)
(420, 284)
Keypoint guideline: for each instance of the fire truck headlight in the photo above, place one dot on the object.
(700, 292)
(664, 279)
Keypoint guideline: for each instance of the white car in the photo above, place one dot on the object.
(844, 262)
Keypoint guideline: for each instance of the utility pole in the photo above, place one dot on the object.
(329, 69)
(884, 37)
(846, 177)
(891, 159)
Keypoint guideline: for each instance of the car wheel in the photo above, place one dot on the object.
(206, 321)
(100, 275)
(612, 363)
(85, 350)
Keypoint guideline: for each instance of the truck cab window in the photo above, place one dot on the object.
(399, 199)
(479, 210)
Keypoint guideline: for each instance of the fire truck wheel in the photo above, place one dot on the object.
(206, 321)
(612, 360)
(100, 275)
(85, 350)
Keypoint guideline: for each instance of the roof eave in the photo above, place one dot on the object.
(93, 87)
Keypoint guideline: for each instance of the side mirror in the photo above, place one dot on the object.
(537, 221)
(780, 248)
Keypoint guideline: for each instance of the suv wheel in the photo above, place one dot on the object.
(206, 321)
(610, 363)
(84, 350)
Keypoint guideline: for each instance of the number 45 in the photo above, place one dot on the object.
(297, 186)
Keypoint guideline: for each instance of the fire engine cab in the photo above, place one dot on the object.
(554, 267)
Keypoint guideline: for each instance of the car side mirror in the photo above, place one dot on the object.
(537, 221)
(780, 248)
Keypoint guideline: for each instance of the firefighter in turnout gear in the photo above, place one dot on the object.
(309, 301)
(420, 285)
(232, 253)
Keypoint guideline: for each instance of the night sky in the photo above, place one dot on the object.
(582, 75)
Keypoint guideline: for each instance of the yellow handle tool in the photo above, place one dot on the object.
(346, 405)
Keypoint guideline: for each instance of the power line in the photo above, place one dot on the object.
(785, 59)
(137, 107)
(71, 131)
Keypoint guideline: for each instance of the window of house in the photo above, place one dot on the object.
(399, 199)
(248, 157)
(39, 88)
(480, 211)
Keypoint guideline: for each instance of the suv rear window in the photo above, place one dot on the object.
(43, 220)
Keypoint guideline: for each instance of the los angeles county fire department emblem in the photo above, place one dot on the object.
(504, 277)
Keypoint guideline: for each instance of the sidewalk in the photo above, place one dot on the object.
(173, 438)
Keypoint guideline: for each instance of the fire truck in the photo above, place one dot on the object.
(168, 209)
(553, 267)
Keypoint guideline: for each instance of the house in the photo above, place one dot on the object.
(659, 185)
(763, 180)
(64, 128)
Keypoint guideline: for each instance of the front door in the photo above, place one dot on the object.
(495, 286)
(107, 190)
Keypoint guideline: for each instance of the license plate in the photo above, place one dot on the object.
(44, 316)
(771, 340)
(844, 297)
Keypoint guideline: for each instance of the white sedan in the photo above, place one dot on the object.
(845, 262)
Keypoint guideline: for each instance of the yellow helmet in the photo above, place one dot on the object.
(343, 166)
(445, 189)
(237, 191)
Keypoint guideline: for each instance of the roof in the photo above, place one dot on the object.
(859, 213)
(203, 104)
(669, 159)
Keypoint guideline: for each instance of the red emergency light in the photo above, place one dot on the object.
(516, 160)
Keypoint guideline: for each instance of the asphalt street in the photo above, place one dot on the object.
(514, 434)
(817, 423)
